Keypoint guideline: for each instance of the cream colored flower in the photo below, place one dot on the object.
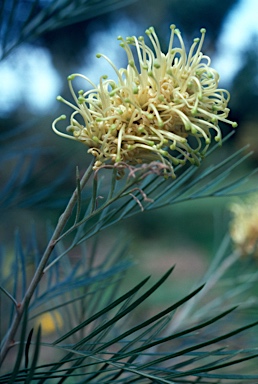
(244, 226)
(162, 107)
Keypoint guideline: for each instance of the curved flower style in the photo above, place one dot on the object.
(244, 226)
(162, 108)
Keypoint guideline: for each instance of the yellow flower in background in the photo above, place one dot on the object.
(50, 322)
(163, 107)
(244, 226)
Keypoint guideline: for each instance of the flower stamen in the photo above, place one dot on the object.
(156, 105)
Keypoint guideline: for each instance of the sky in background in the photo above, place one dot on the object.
(240, 26)
(31, 76)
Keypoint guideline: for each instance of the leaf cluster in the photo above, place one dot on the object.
(102, 340)
(26, 20)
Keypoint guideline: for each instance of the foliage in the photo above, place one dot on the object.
(23, 20)
(89, 292)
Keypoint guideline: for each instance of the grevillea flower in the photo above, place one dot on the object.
(244, 226)
(50, 322)
(162, 107)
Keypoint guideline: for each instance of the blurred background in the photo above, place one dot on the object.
(37, 168)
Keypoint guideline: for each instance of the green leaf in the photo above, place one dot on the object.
(33, 366)
(27, 348)
(20, 353)
(201, 345)
(114, 304)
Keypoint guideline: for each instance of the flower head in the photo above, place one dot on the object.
(50, 322)
(244, 226)
(162, 107)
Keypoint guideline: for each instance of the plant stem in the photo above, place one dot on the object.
(9, 341)
(9, 295)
